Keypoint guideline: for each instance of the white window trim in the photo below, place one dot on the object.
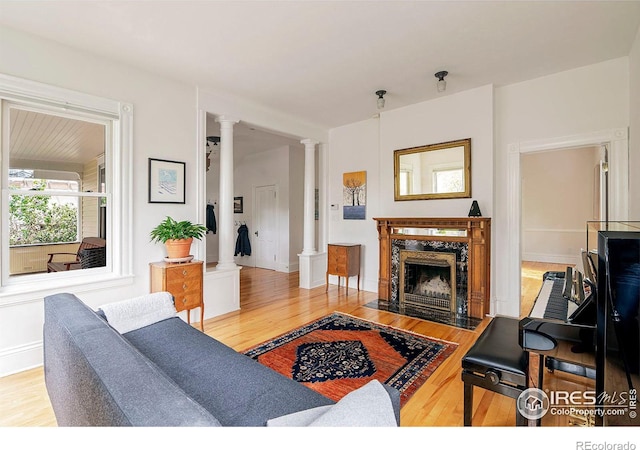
(408, 169)
(444, 167)
(119, 167)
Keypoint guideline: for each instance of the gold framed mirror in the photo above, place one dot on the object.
(433, 171)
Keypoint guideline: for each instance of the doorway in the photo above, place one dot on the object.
(617, 144)
(561, 191)
(266, 226)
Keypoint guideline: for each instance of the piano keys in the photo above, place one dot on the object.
(551, 303)
(565, 305)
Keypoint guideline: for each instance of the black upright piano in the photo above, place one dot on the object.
(618, 337)
(593, 310)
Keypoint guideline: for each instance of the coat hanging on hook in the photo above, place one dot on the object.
(243, 246)
(211, 219)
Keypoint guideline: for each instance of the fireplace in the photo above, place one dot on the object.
(437, 265)
(428, 280)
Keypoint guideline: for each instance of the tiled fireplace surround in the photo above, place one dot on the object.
(466, 238)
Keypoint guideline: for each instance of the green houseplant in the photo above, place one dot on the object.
(177, 236)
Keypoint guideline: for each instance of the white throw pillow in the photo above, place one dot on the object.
(367, 406)
(138, 312)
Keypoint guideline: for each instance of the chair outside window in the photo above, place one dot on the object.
(93, 257)
(91, 253)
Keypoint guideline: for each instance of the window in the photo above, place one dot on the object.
(38, 217)
(54, 188)
(448, 180)
(406, 179)
(59, 161)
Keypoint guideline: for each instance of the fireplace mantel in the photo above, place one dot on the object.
(474, 231)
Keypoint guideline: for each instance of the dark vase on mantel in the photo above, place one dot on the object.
(475, 210)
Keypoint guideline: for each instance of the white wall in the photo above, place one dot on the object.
(467, 114)
(369, 146)
(580, 101)
(560, 193)
(634, 132)
(273, 167)
(353, 148)
(164, 127)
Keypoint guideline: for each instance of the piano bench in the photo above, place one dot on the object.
(496, 362)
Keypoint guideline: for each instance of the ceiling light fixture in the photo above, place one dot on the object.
(442, 85)
(213, 139)
(380, 95)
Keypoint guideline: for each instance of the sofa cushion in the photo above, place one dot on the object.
(234, 388)
(368, 406)
(94, 377)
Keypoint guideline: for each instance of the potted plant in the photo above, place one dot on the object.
(177, 236)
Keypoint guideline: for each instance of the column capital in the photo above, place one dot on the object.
(309, 142)
(227, 119)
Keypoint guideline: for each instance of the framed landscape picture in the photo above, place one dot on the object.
(354, 195)
(166, 181)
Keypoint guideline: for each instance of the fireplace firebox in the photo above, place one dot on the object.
(428, 280)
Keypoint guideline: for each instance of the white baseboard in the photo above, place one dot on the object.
(23, 357)
(365, 285)
(288, 268)
(370, 285)
(504, 308)
(556, 259)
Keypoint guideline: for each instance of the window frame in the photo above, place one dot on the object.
(118, 119)
(407, 170)
(444, 168)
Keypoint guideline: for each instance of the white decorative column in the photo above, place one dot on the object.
(309, 196)
(312, 264)
(225, 208)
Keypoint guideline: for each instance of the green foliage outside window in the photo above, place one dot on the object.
(35, 219)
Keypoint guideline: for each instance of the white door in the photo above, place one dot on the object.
(265, 234)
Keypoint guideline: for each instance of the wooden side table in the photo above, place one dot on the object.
(183, 281)
(343, 260)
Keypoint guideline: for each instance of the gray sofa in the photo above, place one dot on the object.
(167, 374)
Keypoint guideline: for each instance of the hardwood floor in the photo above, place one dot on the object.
(532, 273)
(272, 304)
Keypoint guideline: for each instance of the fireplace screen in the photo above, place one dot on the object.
(428, 280)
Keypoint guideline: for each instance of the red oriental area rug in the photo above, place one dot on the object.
(339, 353)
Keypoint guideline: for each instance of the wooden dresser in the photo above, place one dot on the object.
(183, 281)
(343, 260)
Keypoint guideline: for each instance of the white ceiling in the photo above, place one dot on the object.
(322, 61)
(46, 137)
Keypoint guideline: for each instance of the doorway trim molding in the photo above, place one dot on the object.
(617, 141)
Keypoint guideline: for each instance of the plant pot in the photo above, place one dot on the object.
(178, 248)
